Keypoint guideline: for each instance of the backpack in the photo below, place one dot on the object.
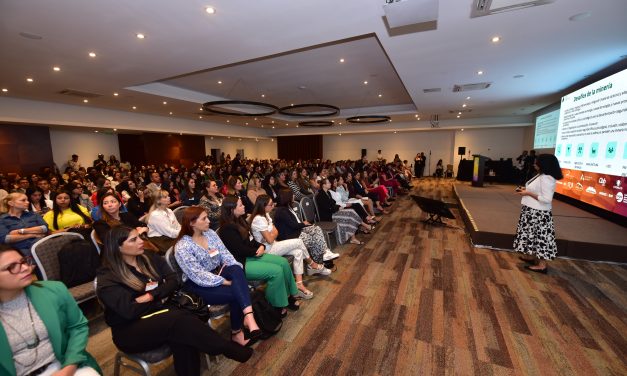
(267, 317)
(78, 261)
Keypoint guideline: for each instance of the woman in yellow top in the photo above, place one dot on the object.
(67, 214)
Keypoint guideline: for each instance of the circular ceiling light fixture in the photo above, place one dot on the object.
(316, 123)
(368, 119)
(313, 110)
(233, 108)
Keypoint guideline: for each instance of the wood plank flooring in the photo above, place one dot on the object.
(420, 300)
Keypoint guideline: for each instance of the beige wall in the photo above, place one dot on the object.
(262, 149)
(86, 144)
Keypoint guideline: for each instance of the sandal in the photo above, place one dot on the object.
(358, 242)
(304, 294)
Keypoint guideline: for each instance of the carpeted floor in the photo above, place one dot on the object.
(418, 300)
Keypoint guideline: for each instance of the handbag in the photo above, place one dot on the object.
(192, 303)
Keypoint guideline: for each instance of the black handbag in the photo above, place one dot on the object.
(191, 302)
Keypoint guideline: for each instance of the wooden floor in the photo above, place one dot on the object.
(419, 300)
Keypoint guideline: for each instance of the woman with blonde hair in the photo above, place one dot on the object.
(19, 227)
(254, 189)
(163, 227)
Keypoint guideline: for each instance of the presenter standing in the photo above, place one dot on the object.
(535, 234)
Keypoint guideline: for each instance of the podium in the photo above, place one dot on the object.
(478, 169)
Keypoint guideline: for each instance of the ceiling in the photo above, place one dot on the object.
(288, 52)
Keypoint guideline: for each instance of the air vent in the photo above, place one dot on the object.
(487, 7)
(470, 87)
(432, 90)
(78, 93)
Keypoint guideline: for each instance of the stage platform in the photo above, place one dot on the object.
(491, 214)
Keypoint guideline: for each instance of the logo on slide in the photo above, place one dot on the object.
(570, 185)
(591, 190)
(618, 185)
(619, 196)
(602, 181)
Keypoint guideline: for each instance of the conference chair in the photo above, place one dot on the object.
(95, 240)
(310, 214)
(45, 252)
(178, 213)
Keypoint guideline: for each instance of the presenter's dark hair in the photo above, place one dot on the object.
(549, 165)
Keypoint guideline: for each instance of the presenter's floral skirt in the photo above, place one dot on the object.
(535, 234)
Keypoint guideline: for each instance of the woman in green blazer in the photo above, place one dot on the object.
(42, 330)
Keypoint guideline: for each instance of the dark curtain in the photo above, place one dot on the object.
(299, 147)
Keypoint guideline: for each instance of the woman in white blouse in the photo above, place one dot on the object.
(163, 228)
(535, 234)
(264, 232)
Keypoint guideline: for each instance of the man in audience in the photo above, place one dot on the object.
(73, 163)
(155, 183)
(100, 162)
(44, 185)
(22, 185)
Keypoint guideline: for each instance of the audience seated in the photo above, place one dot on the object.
(111, 215)
(211, 201)
(281, 291)
(37, 203)
(132, 287)
(348, 221)
(269, 183)
(289, 226)
(263, 231)
(354, 205)
(213, 273)
(190, 196)
(254, 189)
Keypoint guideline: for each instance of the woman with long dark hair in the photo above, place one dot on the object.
(264, 231)
(37, 203)
(190, 195)
(67, 214)
(258, 265)
(535, 233)
(213, 273)
(211, 201)
(111, 216)
(132, 286)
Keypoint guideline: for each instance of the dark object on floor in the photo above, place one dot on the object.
(435, 209)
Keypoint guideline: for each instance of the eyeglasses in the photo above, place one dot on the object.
(16, 267)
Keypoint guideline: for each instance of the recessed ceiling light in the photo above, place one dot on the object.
(115, 94)
(340, 123)
(340, 134)
(134, 108)
(272, 121)
(496, 39)
(229, 137)
(170, 112)
(263, 95)
(273, 127)
(164, 102)
(365, 82)
(228, 121)
(467, 98)
(480, 72)
(416, 115)
(342, 60)
(92, 54)
(212, 137)
(85, 100)
(286, 124)
(459, 113)
(462, 129)
(246, 123)
(458, 116)
(272, 139)
(219, 82)
(140, 36)
(5, 90)
(417, 118)
(464, 105)
(255, 119)
(394, 132)
(210, 10)
(29, 79)
(380, 95)
(200, 117)
(95, 131)
(115, 129)
(56, 69)
(296, 125)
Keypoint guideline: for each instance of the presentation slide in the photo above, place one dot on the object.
(591, 144)
(546, 130)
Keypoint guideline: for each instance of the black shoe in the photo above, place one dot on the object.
(329, 264)
(292, 304)
(282, 311)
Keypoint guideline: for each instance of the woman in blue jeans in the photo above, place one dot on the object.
(213, 273)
